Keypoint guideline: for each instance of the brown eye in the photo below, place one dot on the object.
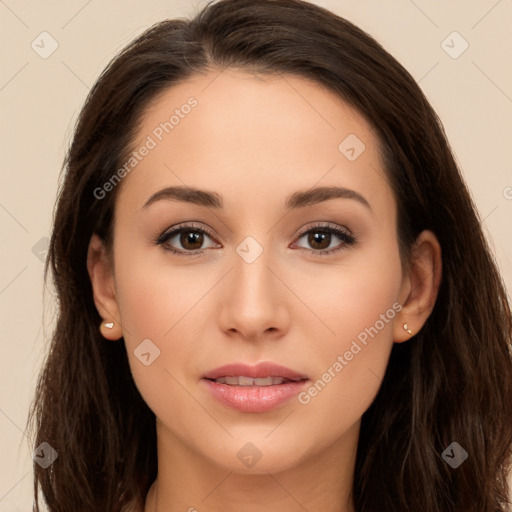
(185, 240)
(319, 239)
(191, 240)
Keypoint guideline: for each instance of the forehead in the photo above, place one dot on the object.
(254, 136)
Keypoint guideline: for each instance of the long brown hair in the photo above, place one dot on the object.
(451, 383)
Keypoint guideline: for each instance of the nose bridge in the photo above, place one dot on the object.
(254, 301)
(253, 283)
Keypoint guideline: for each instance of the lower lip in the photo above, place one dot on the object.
(255, 398)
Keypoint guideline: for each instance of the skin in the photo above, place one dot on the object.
(255, 140)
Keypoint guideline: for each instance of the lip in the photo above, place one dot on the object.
(255, 399)
(260, 370)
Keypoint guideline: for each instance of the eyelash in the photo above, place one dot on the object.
(347, 239)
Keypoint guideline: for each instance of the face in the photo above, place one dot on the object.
(264, 268)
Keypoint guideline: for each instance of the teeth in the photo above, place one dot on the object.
(249, 381)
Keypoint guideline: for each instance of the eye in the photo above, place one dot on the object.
(188, 236)
(320, 237)
(191, 239)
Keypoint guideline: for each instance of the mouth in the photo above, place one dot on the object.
(265, 373)
(254, 389)
(244, 381)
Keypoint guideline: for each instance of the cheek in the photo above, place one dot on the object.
(159, 303)
(352, 297)
(359, 305)
(153, 292)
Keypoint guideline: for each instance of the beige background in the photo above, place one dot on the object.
(40, 99)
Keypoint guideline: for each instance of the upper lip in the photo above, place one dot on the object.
(260, 370)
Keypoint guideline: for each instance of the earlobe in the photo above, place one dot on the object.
(111, 330)
(420, 287)
(99, 267)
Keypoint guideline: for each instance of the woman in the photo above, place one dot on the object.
(274, 289)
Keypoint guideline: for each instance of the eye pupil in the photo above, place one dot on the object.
(191, 237)
(318, 237)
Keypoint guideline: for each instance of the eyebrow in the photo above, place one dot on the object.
(299, 199)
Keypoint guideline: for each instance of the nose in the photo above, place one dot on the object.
(254, 301)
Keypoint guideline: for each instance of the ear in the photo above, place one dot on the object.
(420, 286)
(101, 273)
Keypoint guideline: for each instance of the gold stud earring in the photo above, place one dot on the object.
(406, 327)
